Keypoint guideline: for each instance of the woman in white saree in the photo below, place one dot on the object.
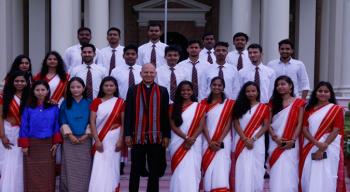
(106, 122)
(216, 158)
(251, 121)
(321, 166)
(186, 120)
(285, 130)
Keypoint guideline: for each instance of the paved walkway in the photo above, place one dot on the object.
(164, 182)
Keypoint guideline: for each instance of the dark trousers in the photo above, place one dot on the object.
(156, 163)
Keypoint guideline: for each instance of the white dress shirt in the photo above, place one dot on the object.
(164, 73)
(231, 77)
(294, 69)
(232, 58)
(203, 55)
(97, 71)
(72, 57)
(121, 74)
(107, 54)
(201, 68)
(144, 53)
(267, 79)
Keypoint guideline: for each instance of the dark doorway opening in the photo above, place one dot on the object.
(177, 39)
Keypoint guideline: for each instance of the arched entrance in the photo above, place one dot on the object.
(177, 39)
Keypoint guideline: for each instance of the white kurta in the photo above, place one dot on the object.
(187, 175)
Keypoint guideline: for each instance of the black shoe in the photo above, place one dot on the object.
(266, 176)
(122, 165)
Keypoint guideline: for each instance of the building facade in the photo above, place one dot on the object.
(319, 29)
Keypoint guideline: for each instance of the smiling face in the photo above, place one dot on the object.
(217, 87)
(323, 94)
(154, 33)
(240, 42)
(24, 65)
(109, 88)
(148, 73)
(52, 61)
(84, 37)
(19, 83)
(186, 92)
(172, 57)
(255, 55)
(88, 55)
(40, 92)
(113, 37)
(221, 53)
(283, 87)
(286, 51)
(76, 88)
(209, 41)
(252, 93)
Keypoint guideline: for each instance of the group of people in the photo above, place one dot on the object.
(224, 116)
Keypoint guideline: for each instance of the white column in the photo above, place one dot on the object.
(225, 26)
(61, 25)
(275, 26)
(306, 36)
(38, 32)
(346, 55)
(241, 16)
(16, 28)
(5, 41)
(76, 19)
(116, 17)
(99, 21)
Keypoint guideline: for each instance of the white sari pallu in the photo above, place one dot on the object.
(216, 165)
(324, 175)
(12, 170)
(186, 164)
(249, 175)
(284, 163)
(105, 175)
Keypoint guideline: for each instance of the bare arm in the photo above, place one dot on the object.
(98, 143)
(304, 94)
(239, 130)
(299, 125)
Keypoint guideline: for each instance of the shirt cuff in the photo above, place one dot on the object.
(23, 142)
(57, 138)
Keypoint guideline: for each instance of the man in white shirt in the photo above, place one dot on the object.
(90, 72)
(293, 68)
(239, 57)
(256, 71)
(195, 68)
(128, 73)
(170, 75)
(207, 53)
(224, 70)
(72, 55)
(113, 53)
(153, 51)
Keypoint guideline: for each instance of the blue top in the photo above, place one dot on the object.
(39, 122)
(77, 117)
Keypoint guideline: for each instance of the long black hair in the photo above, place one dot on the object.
(104, 80)
(10, 91)
(59, 69)
(178, 102)
(276, 98)
(33, 101)
(223, 96)
(69, 95)
(313, 99)
(15, 66)
(242, 104)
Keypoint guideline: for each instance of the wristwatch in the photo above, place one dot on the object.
(254, 138)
